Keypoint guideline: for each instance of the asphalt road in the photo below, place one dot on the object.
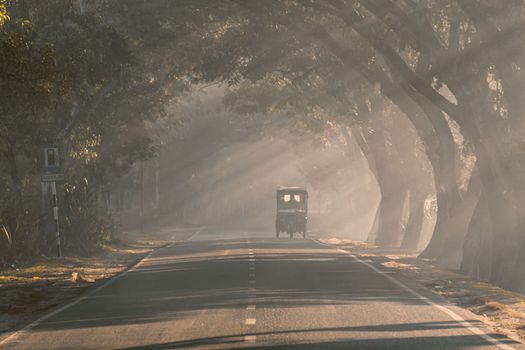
(224, 290)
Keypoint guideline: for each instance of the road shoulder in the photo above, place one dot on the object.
(30, 292)
(500, 310)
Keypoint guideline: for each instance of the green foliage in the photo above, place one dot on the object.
(68, 77)
(98, 78)
(4, 16)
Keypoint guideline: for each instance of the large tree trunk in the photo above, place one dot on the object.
(453, 210)
(391, 185)
(493, 164)
(477, 248)
(374, 229)
(393, 197)
(452, 224)
(494, 247)
(440, 147)
(450, 227)
(415, 219)
(490, 138)
(502, 207)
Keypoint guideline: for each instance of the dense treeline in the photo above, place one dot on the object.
(452, 67)
(67, 78)
(93, 75)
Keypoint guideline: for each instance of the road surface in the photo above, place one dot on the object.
(222, 290)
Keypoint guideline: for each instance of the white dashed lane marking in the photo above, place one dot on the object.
(250, 338)
(251, 307)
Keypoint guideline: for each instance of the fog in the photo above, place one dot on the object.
(403, 119)
(234, 182)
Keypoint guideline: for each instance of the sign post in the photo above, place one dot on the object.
(53, 173)
(55, 217)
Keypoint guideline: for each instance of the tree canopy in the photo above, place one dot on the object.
(399, 79)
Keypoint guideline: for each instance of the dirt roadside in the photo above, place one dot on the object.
(501, 310)
(30, 291)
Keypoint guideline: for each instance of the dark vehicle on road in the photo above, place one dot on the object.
(292, 211)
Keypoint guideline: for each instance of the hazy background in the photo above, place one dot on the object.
(207, 173)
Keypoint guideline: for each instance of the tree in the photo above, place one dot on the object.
(454, 69)
(450, 52)
(4, 16)
(71, 79)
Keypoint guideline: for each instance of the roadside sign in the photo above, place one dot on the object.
(53, 173)
(51, 158)
(52, 177)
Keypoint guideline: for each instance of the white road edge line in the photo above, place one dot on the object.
(35, 323)
(195, 234)
(442, 308)
(251, 321)
(38, 321)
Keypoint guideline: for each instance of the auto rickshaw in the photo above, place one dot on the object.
(292, 211)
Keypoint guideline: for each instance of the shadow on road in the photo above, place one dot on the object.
(192, 277)
(422, 342)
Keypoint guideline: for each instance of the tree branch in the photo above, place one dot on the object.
(396, 63)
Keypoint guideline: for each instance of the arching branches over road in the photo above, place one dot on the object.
(451, 67)
(441, 78)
